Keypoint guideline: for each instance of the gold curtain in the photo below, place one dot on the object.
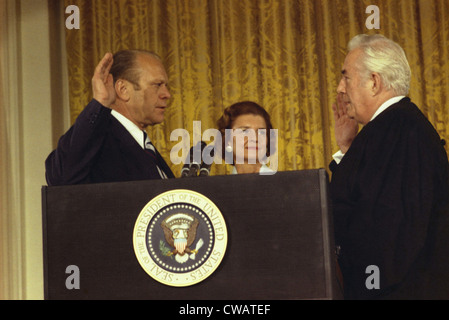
(3, 164)
(284, 54)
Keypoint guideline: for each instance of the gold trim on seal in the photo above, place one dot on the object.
(180, 238)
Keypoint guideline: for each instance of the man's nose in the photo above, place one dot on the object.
(165, 93)
(341, 86)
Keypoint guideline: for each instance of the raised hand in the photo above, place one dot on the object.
(102, 82)
(346, 128)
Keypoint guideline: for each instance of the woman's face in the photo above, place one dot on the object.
(250, 138)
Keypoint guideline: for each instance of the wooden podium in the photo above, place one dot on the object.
(280, 239)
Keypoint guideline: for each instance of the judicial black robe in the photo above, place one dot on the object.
(98, 148)
(390, 198)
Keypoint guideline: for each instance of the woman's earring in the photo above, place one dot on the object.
(229, 148)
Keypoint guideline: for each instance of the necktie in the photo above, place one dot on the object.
(148, 145)
(151, 150)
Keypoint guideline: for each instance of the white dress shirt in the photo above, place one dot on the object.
(132, 128)
(137, 134)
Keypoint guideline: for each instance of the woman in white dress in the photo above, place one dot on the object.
(247, 138)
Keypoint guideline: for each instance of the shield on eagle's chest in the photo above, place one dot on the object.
(180, 231)
(180, 245)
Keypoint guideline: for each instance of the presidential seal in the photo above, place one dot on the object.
(180, 238)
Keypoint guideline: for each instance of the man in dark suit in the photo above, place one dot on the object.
(389, 184)
(108, 142)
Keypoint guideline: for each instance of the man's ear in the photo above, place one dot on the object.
(122, 89)
(377, 85)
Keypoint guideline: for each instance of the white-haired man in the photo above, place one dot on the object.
(389, 184)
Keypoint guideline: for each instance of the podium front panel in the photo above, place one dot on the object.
(280, 239)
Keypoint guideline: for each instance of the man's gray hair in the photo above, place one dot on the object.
(125, 65)
(385, 57)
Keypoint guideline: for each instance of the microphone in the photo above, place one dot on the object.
(196, 159)
(207, 162)
(187, 163)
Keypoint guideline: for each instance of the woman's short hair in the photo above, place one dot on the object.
(231, 113)
(385, 57)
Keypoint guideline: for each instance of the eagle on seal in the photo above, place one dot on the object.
(180, 233)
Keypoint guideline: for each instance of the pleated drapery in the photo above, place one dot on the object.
(284, 54)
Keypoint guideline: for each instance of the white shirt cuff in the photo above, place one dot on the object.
(338, 156)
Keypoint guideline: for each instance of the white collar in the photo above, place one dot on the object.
(264, 169)
(132, 128)
(387, 104)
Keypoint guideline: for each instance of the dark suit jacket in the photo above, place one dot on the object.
(97, 148)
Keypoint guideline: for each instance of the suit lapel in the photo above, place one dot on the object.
(143, 160)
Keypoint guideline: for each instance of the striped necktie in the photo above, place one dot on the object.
(151, 150)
